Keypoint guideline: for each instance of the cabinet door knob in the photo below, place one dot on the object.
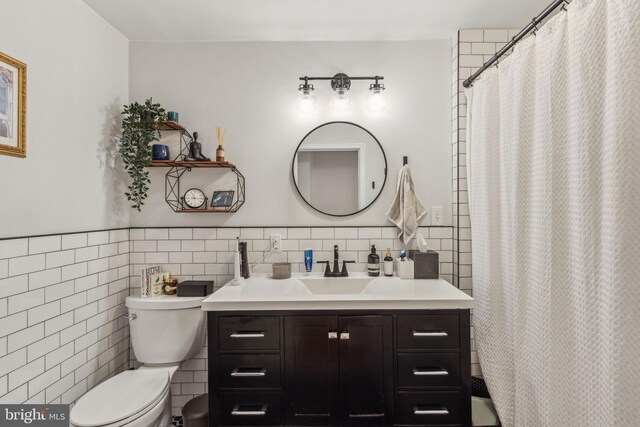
(344, 335)
(333, 335)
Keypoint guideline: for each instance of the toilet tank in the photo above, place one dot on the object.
(166, 329)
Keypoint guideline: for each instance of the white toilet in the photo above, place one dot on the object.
(165, 331)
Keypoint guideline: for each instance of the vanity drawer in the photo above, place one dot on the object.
(250, 409)
(429, 370)
(249, 333)
(428, 332)
(428, 408)
(249, 371)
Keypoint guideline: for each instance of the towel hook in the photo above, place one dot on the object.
(405, 160)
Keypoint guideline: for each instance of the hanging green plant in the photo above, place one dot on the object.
(138, 133)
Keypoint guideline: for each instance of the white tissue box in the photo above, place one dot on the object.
(405, 268)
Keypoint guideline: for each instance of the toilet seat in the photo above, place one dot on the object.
(121, 399)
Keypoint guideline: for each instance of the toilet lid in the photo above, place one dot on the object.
(119, 397)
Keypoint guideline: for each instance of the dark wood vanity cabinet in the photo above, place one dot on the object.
(323, 368)
(339, 370)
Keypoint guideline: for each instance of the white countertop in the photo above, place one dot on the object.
(261, 292)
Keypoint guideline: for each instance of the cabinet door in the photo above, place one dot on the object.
(311, 366)
(366, 370)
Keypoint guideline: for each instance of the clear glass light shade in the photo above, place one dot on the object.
(307, 99)
(376, 99)
(341, 99)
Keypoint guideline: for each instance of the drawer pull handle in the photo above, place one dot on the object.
(430, 334)
(426, 373)
(442, 411)
(248, 335)
(237, 372)
(248, 412)
(344, 335)
(333, 335)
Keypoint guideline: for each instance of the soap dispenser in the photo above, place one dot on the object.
(388, 264)
(373, 263)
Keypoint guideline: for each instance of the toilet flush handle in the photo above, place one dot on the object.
(131, 316)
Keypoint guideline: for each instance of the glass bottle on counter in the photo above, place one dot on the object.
(388, 264)
(373, 263)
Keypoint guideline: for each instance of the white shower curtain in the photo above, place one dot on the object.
(554, 184)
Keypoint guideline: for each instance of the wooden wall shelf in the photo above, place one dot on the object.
(164, 125)
(172, 192)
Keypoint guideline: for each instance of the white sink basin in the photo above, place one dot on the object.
(336, 285)
(358, 291)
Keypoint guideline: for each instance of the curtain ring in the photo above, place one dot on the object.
(535, 27)
(564, 5)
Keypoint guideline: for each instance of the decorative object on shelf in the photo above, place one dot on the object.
(160, 152)
(195, 151)
(173, 116)
(13, 106)
(135, 147)
(222, 199)
(220, 151)
(149, 116)
(194, 198)
(341, 83)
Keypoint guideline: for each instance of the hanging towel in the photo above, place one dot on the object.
(406, 210)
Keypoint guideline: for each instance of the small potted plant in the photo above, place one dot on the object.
(135, 146)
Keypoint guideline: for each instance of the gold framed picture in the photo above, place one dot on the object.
(13, 106)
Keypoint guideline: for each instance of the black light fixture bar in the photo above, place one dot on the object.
(306, 78)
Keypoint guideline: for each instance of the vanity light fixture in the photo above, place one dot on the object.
(307, 99)
(376, 99)
(341, 83)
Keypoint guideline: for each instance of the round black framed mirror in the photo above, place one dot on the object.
(339, 168)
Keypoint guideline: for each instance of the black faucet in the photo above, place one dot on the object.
(336, 269)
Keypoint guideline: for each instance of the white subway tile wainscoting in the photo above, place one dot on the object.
(62, 297)
(206, 254)
(61, 307)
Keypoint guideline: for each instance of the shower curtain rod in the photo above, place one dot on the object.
(533, 26)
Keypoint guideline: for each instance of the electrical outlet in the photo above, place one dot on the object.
(276, 243)
(437, 215)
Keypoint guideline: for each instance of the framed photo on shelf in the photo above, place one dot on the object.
(13, 106)
(222, 199)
